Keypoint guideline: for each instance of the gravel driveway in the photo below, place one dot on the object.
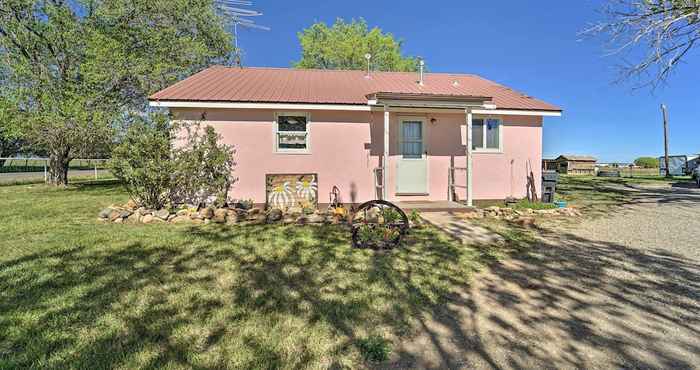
(621, 291)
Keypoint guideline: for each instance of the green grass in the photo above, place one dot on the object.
(526, 204)
(75, 293)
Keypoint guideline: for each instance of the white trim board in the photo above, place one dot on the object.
(343, 107)
(275, 106)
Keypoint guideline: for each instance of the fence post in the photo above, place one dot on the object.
(46, 173)
(95, 170)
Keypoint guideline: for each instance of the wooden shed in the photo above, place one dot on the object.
(572, 165)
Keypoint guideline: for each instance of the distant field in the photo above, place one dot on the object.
(33, 165)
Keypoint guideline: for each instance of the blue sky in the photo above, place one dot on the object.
(531, 46)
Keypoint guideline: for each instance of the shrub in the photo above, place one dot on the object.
(156, 172)
(203, 168)
(143, 162)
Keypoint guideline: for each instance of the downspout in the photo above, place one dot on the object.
(468, 153)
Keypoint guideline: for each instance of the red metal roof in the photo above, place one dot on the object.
(285, 85)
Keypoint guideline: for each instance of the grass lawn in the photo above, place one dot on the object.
(76, 293)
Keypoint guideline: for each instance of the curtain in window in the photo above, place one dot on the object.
(492, 134)
(412, 145)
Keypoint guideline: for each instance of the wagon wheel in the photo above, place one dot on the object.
(379, 225)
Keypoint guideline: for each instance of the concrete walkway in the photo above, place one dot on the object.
(461, 229)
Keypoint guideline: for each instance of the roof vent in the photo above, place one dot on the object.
(421, 64)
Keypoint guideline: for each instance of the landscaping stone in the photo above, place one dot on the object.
(125, 213)
(196, 216)
(162, 214)
(257, 219)
(274, 215)
(114, 214)
(105, 213)
(525, 221)
(147, 219)
(254, 211)
(220, 215)
(181, 219)
(288, 219)
(131, 205)
(207, 213)
(119, 221)
(317, 218)
(302, 220)
(183, 212)
(232, 217)
(134, 218)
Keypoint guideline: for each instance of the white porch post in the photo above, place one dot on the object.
(470, 201)
(385, 158)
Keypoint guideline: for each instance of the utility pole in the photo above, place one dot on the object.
(664, 112)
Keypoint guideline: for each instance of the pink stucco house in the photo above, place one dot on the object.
(392, 135)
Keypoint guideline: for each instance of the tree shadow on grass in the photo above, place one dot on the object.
(245, 297)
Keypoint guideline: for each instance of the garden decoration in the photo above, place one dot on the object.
(378, 225)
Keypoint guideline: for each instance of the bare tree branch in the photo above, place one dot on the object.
(656, 34)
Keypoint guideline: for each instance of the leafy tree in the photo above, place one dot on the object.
(10, 144)
(78, 70)
(656, 34)
(344, 45)
(647, 162)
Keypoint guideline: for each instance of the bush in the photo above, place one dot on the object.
(143, 162)
(203, 168)
(157, 173)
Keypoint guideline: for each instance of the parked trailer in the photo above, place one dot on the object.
(677, 164)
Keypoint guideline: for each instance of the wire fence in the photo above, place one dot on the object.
(19, 168)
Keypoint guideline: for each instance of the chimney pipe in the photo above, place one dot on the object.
(368, 56)
(421, 63)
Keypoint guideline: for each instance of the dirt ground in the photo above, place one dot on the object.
(620, 291)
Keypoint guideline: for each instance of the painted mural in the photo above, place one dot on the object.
(286, 191)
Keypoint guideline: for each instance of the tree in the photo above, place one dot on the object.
(647, 162)
(10, 144)
(78, 70)
(344, 45)
(657, 34)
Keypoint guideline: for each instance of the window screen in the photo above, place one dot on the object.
(412, 144)
(292, 133)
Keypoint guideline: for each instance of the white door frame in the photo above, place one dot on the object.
(424, 150)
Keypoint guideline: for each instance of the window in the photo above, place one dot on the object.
(412, 139)
(486, 134)
(292, 133)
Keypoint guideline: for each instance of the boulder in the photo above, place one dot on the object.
(295, 211)
(207, 213)
(257, 219)
(131, 205)
(115, 214)
(125, 213)
(162, 214)
(183, 212)
(232, 217)
(288, 219)
(302, 220)
(119, 220)
(220, 215)
(105, 213)
(196, 216)
(147, 219)
(525, 221)
(274, 215)
(254, 211)
(317, 218)
(134, 218)
(181, 219)
(196, 221)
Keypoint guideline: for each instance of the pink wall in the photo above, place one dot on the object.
(345, 148)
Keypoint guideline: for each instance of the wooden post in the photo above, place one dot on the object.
(385, 160)
(470, 201)
(665, 116)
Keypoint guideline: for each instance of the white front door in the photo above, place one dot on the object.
(412, 168)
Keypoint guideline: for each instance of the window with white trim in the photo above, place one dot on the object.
(292, 133)
(486, 134)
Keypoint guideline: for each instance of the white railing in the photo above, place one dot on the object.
(379, 184)
(451, 186)
(23, 165)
